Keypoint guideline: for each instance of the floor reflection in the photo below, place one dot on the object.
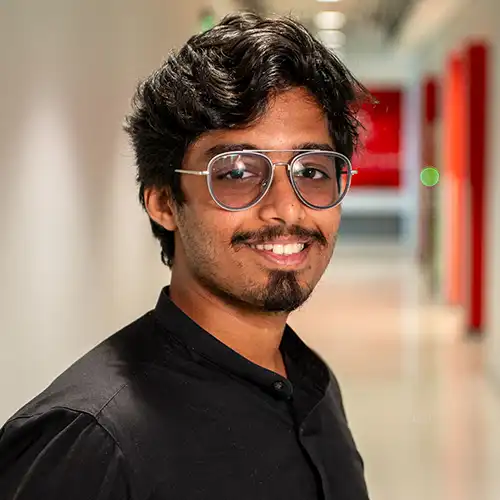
(423, 413)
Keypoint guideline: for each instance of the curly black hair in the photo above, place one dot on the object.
(223, 78)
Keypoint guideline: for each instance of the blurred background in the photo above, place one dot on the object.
(408, 314)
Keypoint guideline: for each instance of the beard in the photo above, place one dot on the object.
(283, 293)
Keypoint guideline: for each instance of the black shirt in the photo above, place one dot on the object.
(162, 410)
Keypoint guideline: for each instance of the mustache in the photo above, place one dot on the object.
(272, 232)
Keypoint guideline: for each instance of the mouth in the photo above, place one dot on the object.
(291, 254)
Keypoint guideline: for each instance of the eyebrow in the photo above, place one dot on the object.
(227, 148)
(315, 145)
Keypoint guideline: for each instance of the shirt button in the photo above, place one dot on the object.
(278, 385)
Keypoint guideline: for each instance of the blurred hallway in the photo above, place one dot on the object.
(78, 262)
(419, 405)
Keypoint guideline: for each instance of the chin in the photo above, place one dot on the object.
(284, 292)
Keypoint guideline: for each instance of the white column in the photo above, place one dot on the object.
(411, 159)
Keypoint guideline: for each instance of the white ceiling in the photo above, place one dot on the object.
(382, 37)
(367, 21)
(372, 26)
(355, 9)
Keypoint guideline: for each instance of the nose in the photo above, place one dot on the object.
(281, 203)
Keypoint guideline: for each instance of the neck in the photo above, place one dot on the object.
(252, 334)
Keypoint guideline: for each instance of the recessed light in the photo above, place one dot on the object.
(329, 20)
(332, 38)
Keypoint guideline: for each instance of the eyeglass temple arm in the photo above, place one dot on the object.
(192, 172)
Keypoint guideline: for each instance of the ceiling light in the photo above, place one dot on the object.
(333, 39)
(328, 1)
(329, 20)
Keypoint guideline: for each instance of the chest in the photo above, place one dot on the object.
(205, 444)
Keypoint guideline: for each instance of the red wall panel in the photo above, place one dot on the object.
(430, 100)
(379, 158)
(455, 178)
(465, 109)
(477, 98)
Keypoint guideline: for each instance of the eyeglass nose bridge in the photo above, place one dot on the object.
(287, 164)
(267, 183)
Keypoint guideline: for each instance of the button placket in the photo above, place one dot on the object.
(278, 385)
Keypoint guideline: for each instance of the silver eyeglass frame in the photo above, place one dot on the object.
(261, 152)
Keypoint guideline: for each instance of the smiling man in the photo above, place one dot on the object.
(242, 143)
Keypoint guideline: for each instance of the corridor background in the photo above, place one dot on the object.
(419, 366)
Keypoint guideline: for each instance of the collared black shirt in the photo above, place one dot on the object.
(162, 410)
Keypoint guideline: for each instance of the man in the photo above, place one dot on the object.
(242, 141)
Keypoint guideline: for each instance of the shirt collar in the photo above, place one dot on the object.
(204, 347)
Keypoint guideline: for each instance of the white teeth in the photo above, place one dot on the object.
(279, 249)
(288, 249)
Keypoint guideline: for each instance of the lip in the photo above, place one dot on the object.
(288, 261)
(281, 241)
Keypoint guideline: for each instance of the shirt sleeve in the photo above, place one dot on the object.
(338, 394)
(58, 455)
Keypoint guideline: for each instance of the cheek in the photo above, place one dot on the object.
(205, 233)
(329, 223)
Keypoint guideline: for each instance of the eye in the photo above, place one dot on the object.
(313, 172)
(237, 168)
(236, 174)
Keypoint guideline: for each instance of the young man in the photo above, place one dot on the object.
(242, 142)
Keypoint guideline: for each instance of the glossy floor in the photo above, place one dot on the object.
(424, 414)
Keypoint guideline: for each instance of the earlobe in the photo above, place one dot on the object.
(159, 206)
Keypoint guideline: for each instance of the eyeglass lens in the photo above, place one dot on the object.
(237, 180)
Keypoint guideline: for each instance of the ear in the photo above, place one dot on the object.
(159, 206)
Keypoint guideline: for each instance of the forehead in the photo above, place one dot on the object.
(292, 117)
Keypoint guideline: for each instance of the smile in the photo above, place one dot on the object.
(290, 255)
(288, 249)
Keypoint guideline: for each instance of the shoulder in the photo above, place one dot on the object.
(70, 432)
(91, 382)
(57, 454)
(40, 429)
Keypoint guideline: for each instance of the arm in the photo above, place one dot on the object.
(58, 455)
(337, 393)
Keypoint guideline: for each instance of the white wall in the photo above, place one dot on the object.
(77, 260)
(479, 19)
(383, 67)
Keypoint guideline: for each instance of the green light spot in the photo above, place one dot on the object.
(429, 176)
(207, 22)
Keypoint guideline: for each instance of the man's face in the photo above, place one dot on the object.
(213, 245)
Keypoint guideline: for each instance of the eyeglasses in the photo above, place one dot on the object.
(238, 180)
